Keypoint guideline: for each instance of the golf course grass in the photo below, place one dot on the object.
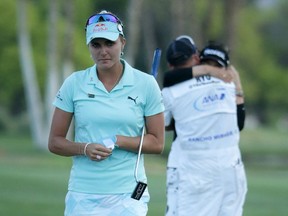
(34, 183)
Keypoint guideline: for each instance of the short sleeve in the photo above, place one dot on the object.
(154, 101)
(64, 97)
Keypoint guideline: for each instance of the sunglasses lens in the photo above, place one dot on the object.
(102, 18)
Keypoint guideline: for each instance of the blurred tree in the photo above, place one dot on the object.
(52, 80)
(256, 35)
(133, 29)
(231, 8)
(263, 78)
(11, 87)
(39, 120)
(32, 93)
(274, 28)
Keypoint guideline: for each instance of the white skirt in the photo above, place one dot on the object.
(82, 204)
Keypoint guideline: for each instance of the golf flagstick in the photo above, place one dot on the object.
(141, 186)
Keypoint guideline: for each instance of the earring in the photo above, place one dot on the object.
(122, 53)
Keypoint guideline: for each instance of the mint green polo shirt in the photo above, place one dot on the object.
(100, 114)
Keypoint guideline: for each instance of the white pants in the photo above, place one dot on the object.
(81, 204)
(208, 184)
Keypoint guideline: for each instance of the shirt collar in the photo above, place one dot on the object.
(92, 75)
(127, 79)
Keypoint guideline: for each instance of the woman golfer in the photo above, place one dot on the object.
(110, 103)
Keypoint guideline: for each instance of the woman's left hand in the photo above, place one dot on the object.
(97, 152)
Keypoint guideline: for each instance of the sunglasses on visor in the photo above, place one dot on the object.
(103, 18)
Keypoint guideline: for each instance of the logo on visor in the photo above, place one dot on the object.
(100, 27)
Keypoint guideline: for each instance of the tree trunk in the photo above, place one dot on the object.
(149, 37)
(178, 20)
(67, 51)
(31, 88)
(52, 71)
(134, 29)
(231, 8)
(205, 29)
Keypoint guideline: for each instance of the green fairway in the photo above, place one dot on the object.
(34, 183)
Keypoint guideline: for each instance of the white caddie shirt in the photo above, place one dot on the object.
(204, 109)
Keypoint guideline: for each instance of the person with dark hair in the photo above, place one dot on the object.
(205, 173)
(216, 54)
(176, 58)
(208, 64)
(110, 110)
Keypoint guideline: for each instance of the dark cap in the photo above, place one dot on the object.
(181, 49)
(215, 52)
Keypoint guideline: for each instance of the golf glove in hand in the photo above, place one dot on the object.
(109, 142)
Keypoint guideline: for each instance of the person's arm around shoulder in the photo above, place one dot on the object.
(176, 76)
(238, 85)
(218, 72)
(241, 112)
(183, 74)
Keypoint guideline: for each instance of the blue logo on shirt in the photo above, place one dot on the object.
(207, 102)
(58, 96)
